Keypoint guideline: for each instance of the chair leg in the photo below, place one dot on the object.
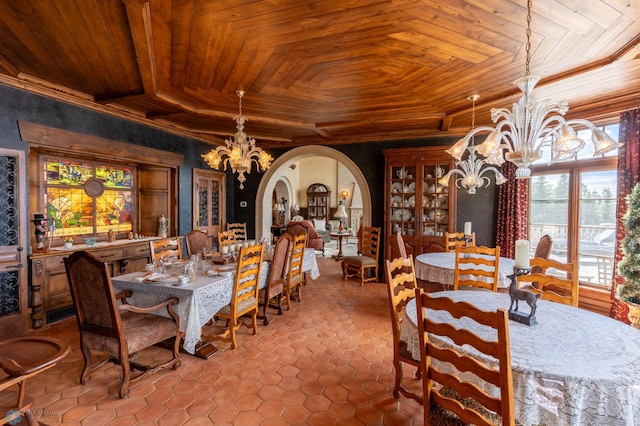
(299, 292)
(126, 375)
(396, 388)
(232, 331)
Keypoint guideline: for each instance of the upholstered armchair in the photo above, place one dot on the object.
(314, 239)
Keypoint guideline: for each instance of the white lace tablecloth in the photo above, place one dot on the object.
(310, 264)
(199, 301)
(439, 268)
(575, 367)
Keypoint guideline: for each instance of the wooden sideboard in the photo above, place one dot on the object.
(50, 296)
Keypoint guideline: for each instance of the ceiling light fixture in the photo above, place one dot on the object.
(239, 152)
(531, 126)
(471, 170)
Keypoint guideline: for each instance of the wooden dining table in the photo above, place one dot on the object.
(575, 367)
(439, 267)
(199, 301)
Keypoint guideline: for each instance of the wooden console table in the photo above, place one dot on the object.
(50, 296)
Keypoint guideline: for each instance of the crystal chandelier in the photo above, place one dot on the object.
(239, 152)
(471, 170)
(532, 126)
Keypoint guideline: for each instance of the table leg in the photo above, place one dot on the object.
(339, 256)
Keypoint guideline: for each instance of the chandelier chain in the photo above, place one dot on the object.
(528, 45)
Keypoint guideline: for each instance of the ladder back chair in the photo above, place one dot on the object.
(244, 298)
(197, 242)
(271, 295)
(119, 329)
(295, 275)
(357, 266)
(456, 400)
(170, 247)
(477, 267)
(402, 248)
(239, 230)
(553, 280)
(226, 238)
(401, 285)
(457, 239)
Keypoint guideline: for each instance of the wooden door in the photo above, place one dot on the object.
(13, 257)
(209, 201)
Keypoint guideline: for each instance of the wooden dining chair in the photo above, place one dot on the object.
(271, 295)
(295, 274)
(402, 248)
(197, 242)
(107, 323)
(477, 267)
(553, 280)
(457, 239)
(169, 247)
(448, 395)
(225, 238)
(367, 261)
(401, 285)
(239, 230)
(543, 248)
(244, 296)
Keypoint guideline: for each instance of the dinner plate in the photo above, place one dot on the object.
(396, 187)
(411, 201)
(406, 214)
(396, 201)
(162, 279)
(396, 214)
(412, 187)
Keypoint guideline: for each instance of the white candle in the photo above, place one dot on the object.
(225, 249)
(467, 228)
(522, 254)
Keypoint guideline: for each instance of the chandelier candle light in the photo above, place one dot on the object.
(520, 135)
(239, 152)
(472, 169)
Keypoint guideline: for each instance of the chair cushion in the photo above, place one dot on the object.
(140, 330)
(319, 224)
(360, 260)
(243, 305)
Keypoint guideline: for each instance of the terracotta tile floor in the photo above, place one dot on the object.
(328, 361)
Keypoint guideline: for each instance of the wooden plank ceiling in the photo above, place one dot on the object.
(320, 72)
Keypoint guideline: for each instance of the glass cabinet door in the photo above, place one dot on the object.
(208, 201)
(435, 201)
(403, 199)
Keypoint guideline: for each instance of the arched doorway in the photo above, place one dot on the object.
(272, 176)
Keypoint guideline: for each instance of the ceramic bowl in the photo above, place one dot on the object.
(90, 241)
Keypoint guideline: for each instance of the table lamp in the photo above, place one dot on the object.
(341, 214)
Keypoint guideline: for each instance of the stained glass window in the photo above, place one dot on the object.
(85, 198)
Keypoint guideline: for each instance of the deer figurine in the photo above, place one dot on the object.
(517, 294)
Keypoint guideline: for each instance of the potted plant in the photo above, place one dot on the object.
(629, 266)
(68, 242)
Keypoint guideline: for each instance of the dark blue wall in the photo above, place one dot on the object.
(17, 105)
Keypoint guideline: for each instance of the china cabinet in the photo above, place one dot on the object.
(416, 205)
(318, 202)
(209, 201)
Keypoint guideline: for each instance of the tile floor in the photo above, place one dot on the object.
(328, 361)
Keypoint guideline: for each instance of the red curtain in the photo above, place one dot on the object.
(628, 176)
(512, 215)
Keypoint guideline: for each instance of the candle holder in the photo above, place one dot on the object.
(467, 240)
(516, 294)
